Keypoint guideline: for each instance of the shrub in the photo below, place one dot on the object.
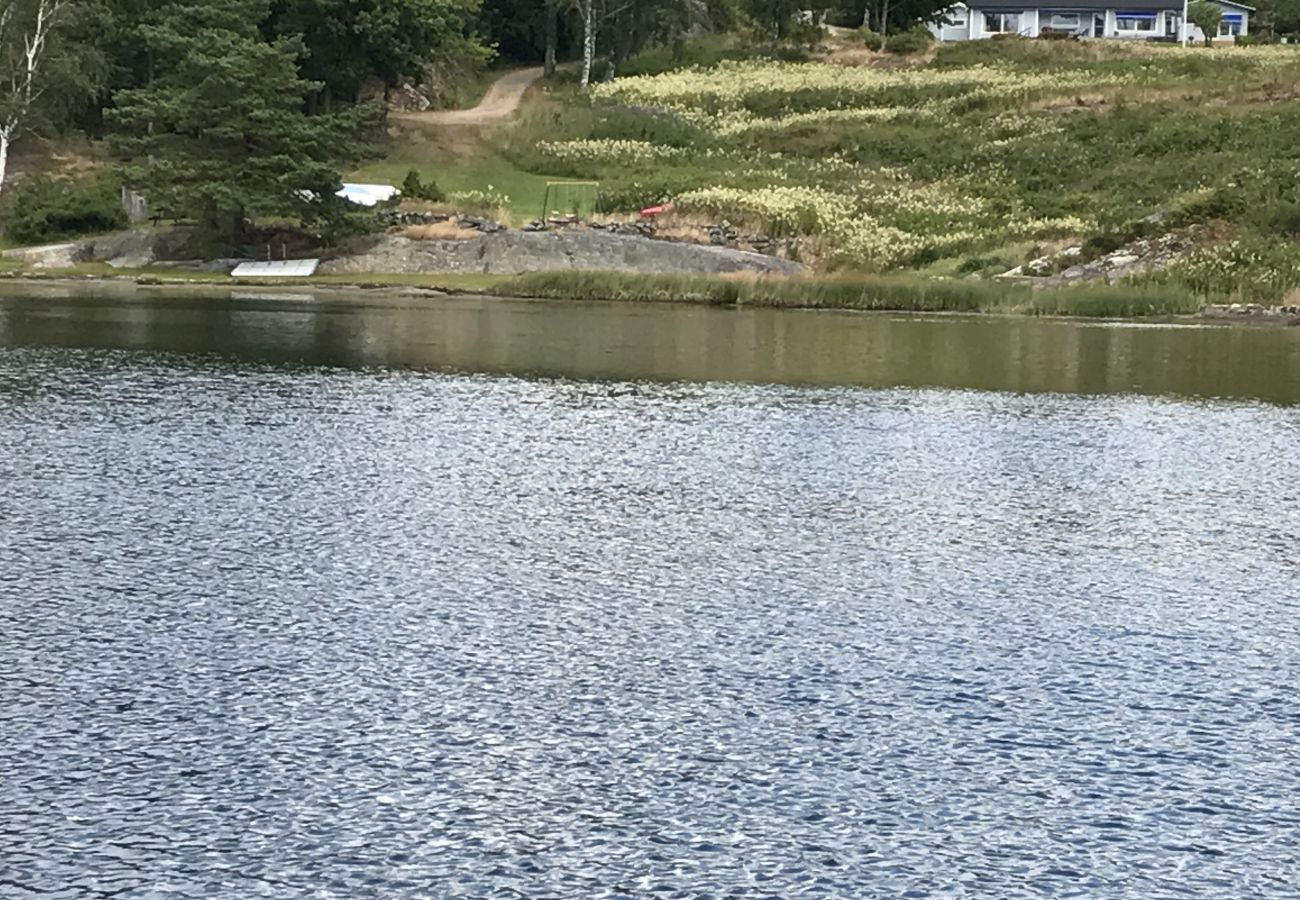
(1281, 218)
(980, 265)
(1205, 16)
(1253, 269)
(914, 40)
(415, 189)
(872, 40)
(42, 209)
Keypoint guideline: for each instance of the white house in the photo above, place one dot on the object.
(1116, 19)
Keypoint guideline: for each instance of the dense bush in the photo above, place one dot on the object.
(913, 40)
(415, 189)
(872, 40)
(41, 209)
(1257, 269)
(706, 51)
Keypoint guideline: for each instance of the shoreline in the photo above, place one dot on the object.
(394, 286)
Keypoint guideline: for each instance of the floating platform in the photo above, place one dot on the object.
(285, 268)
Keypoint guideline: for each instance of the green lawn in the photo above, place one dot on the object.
(468, 164)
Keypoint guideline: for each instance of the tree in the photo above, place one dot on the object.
(774, 17)
(635, 25)
(1276, 18)
(220, 132)
(1205, 16)
(884, 16)
(587, 15)
(350, 41)
(26, 29)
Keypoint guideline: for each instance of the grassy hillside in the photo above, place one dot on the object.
(984, 154)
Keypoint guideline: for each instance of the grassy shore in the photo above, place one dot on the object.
(968, 160)
(867, 293)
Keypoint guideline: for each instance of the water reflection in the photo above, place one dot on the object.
(668, 343)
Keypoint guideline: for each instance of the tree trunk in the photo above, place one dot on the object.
(25, 86)
(4, 156)
(552, 35)
(588, 8)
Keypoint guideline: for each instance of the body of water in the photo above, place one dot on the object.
(471, 598)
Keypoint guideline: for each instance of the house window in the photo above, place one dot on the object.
(1064, 21)
(1002, 23)
(957, 18)
(1135, 22)
(1230, 26)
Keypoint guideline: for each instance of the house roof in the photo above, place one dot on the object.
(1089, 5)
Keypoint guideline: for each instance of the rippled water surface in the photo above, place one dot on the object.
(270, 629)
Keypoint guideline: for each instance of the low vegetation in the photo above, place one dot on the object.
(904, 174)
(938, 166)
(901, 292)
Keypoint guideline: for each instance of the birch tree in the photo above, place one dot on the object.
(587, 13)
(25, 30)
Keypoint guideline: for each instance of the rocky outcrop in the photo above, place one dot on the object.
(493, 250)
(125, 249)
(1072, 265)
(391, 218)
(1254, 312)
(514, 252)
(722, 234)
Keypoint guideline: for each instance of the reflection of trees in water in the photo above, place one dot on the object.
(666, 342)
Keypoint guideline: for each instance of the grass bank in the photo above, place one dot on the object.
(883, 293)
(975, 158)
(868, 293)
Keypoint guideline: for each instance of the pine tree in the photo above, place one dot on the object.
(220, 131)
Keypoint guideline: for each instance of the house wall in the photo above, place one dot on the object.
(1031, 22)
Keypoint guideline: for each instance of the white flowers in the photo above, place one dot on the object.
(607, 151)
(489, 199)
(737, 97)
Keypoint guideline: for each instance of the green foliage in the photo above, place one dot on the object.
(1205, 16)
(1125, 301)
(1281, 16)
(950, 165)
(41, 210)
(871, 40)
(348, 41)
(908, 293)
(775, 19)
(415, 189)
(914, 40)
(1250, 268)
(220, 132)
(704, 51)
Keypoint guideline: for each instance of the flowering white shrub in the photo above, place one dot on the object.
(490, 198)
(607, 151)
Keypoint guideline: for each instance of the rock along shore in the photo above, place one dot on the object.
(516, 252)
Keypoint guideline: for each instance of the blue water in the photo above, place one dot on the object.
(270, 630)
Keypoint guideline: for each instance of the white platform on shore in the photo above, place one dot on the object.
(368, 194)
(286, 268)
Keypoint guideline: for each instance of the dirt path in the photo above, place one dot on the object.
(498, 105)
